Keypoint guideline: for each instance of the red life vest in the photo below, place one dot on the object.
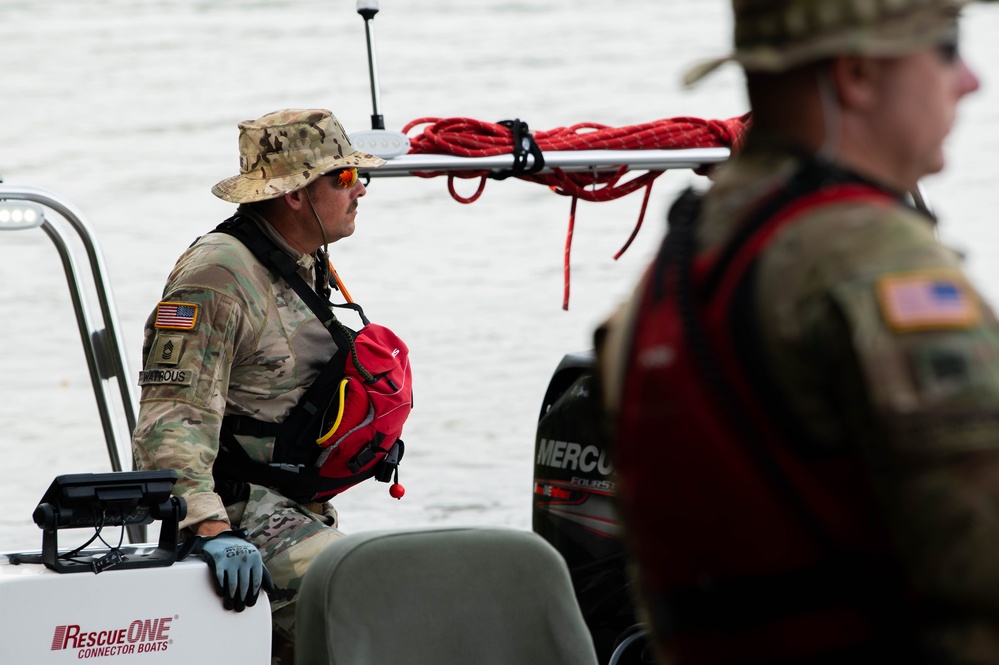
(366, 415)
(749, 549)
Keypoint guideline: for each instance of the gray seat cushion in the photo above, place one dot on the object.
(482, 596)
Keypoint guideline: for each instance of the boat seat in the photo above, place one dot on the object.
(440, 596)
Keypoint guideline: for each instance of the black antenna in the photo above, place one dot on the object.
(377, 140)
(367, 9)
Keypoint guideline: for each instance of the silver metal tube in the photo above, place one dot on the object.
(89, 339)
(109, 312)
(567, 160)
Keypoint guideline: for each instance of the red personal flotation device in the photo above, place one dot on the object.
(750, 549)
(370, 407)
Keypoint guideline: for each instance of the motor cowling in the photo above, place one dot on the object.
(574, 502)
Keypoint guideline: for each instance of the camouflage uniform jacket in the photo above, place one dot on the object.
(254, 348)
(876, 339)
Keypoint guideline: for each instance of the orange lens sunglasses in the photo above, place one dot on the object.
(345, 178)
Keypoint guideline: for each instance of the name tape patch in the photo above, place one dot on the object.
(176, 315)
(927, 301)
(173, 377)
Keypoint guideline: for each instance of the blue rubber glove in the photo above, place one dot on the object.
(237, 569)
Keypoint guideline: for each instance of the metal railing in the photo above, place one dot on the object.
(101, 338)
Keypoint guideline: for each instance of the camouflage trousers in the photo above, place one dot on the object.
(289, 535)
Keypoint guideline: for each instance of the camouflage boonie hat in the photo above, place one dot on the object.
(776, 35)
(286, 150)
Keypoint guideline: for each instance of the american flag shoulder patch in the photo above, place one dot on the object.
(927, 301)
(176, 315)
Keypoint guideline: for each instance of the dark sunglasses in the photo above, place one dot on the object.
(947, 49)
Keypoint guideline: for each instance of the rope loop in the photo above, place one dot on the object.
(460, 199)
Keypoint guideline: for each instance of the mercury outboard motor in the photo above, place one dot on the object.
(574, 507)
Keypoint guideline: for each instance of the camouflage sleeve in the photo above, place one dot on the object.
(183, 396)
(903, 359)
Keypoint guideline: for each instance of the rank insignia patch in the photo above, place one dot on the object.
(166, 349)
(927, 301)
(176, 315)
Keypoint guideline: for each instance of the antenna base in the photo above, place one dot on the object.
(381, 143)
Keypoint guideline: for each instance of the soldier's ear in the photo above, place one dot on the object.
(857, 81)
(295, 200)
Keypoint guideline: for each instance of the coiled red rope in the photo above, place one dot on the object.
(465, 137)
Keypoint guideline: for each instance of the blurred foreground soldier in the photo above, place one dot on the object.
(805, 387)
(232, 348)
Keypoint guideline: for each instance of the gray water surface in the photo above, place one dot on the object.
(128, 108)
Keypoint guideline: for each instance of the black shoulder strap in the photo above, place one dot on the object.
(278, 261)
(281, 263)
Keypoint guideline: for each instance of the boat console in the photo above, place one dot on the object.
(99, 500)
(134, 601)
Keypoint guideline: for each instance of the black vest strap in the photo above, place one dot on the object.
(247, 426)
(299, 482)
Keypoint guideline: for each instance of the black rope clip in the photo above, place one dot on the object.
(523, 145)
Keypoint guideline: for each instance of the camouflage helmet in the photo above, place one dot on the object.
(285, 150)
(776, 35)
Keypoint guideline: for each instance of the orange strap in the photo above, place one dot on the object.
(339, 284)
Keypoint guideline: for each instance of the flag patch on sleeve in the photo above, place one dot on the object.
(176, 315)
(927, 301)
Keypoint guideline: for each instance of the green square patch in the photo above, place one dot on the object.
(167, 349)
